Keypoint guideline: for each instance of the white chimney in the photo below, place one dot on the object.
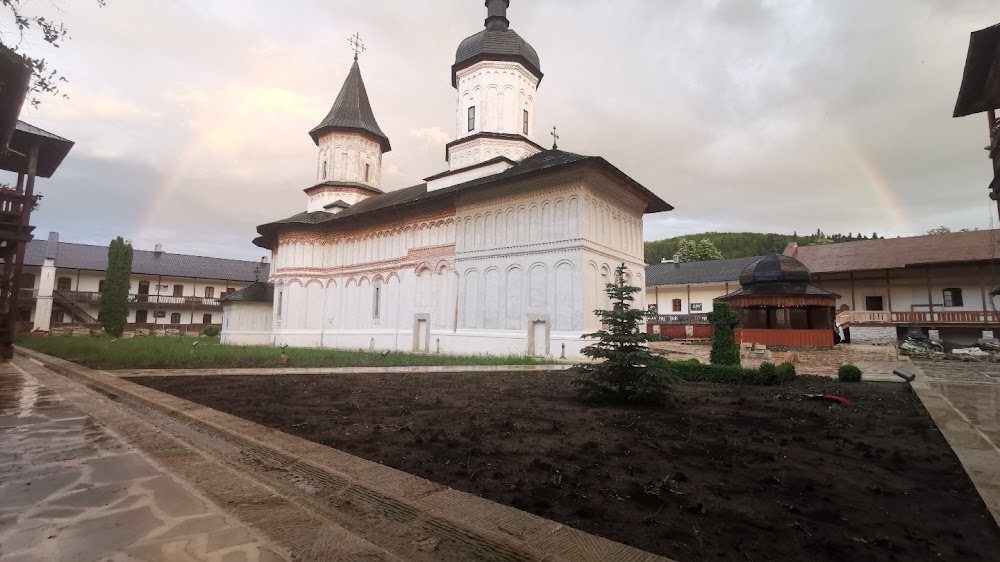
(159, 248)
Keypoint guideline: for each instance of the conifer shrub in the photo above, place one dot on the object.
(724, 320)
(211, 331)
(113, 313)
(624, 370)
(849, 373)
(768, 369)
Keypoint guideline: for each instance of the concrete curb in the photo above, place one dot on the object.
(978, 454)
(420, 519)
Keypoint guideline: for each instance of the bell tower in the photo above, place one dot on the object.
(350, 147)
(496, 75)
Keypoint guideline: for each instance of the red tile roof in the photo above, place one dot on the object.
(891, 253)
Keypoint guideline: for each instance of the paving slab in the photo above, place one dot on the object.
(964, 401)
(70, 489)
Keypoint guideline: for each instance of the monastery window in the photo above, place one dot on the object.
(953, 297)
(206, 319)
(472, 118)
(100, 286)
(141, 316)
(377, 304)
(64, 284)
(676, 305)
(27, 280)
(209, 292)
(175, 318)
(367, 171)
(178, 290)
(58, 317)
(526, 121)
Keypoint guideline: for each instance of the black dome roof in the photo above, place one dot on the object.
(496, 42)
(775, 268)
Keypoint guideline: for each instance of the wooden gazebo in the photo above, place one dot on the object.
(779, 307)
(29, 152)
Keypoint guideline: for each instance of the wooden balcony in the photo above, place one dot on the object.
(936, 318)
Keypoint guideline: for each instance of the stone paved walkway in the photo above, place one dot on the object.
(964, 400)
(72, 490)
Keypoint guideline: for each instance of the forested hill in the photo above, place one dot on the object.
(745, 244)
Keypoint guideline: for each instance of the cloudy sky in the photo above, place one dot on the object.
(191, 116)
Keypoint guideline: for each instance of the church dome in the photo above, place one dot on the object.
(496, 43)
(775, 268)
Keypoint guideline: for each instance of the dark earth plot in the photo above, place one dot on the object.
(730, 473)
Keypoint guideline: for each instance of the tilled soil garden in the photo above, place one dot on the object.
(729, 473)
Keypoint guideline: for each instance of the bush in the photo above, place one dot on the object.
(211, 331)
(767, 369)
(786, 372)
(849, 373)
(692, 371)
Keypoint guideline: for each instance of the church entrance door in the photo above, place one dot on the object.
(539, 339)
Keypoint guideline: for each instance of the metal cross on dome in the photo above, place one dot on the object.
(555, 138)
(357, 45)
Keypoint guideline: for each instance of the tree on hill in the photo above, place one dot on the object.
(114, 293)
(689, 250)
(939, 230)
(20, 24)
(741, 244)
(625, 370)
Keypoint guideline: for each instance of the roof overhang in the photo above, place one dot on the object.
(487, 57)
(52, 149)
(980, 90)
(15, 79)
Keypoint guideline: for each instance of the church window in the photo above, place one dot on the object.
(280, 295)
(209, 292)
(368, 169)
(377, 304)
(175, 318)
(677, 305)
(953, 297)
(472, 118)
(525, 121)
(324, 170)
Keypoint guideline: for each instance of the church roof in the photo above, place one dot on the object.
(537, 164)
(496, 43)
(695, 272)
(352, 112)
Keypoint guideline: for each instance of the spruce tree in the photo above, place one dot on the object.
(114, 297)
(624, 370)
(724, 320)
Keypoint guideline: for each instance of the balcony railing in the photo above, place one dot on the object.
(93, 297)
(972, 317)
(170, 300)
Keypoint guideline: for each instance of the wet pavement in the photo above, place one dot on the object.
(72, 490)
(964, 401)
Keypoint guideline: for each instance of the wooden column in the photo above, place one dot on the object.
(689, 299)
(982, 289)
(888, 291)
(854, 304)
(13, 275)
(930, 295)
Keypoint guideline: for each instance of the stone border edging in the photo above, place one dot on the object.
(495, 531)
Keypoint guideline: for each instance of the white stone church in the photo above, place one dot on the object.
(506, 252)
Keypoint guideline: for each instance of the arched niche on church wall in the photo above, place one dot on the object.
(471, 300)
(315, 305)
(514, 298)
(565, 297)
(538, 289)
(491, 300)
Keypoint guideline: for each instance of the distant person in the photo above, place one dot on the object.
(838, 334)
